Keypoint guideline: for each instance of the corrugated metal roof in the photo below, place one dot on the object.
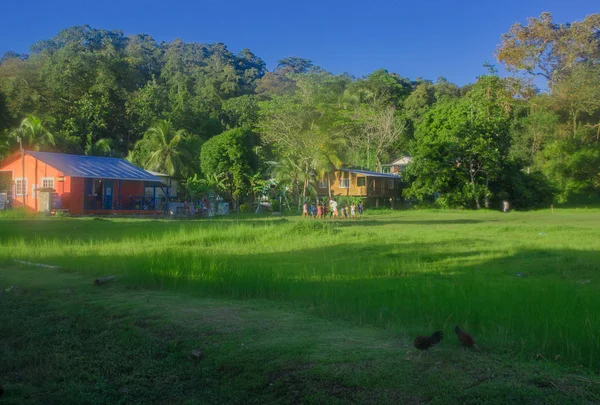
(403, 161)
(93, 166)
(157, 174)
(371, 174)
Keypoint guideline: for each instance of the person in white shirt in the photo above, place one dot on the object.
(333, 205)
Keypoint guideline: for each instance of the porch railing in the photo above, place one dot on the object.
(132, 203)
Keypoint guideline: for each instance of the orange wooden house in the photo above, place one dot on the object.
(373, 187)
(81, 184)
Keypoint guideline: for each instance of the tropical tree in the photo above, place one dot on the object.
(102, 147)
(304, 129)
(34, 133)
(257, 184)
(164, 148)
(462, 147)
(230, 155)
(288, 174)
(196, 187)
(4, 144)
(551, 50)
(377, 131)
(327, 160)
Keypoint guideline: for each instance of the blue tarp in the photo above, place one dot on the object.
(93, 167)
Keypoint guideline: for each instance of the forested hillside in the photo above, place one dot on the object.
(225, 122)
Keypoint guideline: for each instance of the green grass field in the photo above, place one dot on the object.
(385, 278)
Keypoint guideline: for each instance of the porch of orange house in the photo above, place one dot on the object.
(124, 197)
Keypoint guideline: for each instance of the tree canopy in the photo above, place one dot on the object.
(220, 119)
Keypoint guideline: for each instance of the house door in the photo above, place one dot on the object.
(108, 195)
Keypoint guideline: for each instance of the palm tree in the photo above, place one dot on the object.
(132, 156)
(291, 171)
(34, 133)
(102, 147)
(4, 144)
(328, 159)
(164, 148)
(257, 184)
(197, 187)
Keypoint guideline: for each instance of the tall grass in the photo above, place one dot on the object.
(408, 272)
(19, 213)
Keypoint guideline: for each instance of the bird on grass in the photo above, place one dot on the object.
(425, 342)
(465, 338)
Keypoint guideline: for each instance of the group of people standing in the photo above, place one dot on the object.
(322, 210)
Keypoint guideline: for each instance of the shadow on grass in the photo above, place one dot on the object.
(383, 221)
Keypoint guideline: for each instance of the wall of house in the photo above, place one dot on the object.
(35, 171)
(167, 182)
(129, 192)
(73, 201)
(374, 186)
(126, 194)
(71, 191)
(353, 190)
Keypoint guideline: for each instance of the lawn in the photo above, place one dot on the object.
(304, 311)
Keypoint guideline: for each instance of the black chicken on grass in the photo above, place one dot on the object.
(425, 342)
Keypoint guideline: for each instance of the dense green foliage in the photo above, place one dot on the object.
(103, 93)
(231, 157)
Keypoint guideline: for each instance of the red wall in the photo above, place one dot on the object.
(35, 170)
(128, 187)
(74, 201)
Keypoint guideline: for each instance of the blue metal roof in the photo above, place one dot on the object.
(372, 174)
(93, 167)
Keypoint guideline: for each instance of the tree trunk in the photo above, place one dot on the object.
(486, 200)
(304, 189)
(297, 188)
(472, 174)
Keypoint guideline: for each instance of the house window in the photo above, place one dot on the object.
(391, 184)
(323, 184)
(48, 182)
(344, 183)
(34, 188)
(21, 186)
(361, 181)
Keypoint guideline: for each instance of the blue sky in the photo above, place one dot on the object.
(414, 39)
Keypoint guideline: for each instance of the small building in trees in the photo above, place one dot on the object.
(374, 188)
(82, 184)
(170, 185)
(398, 166)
